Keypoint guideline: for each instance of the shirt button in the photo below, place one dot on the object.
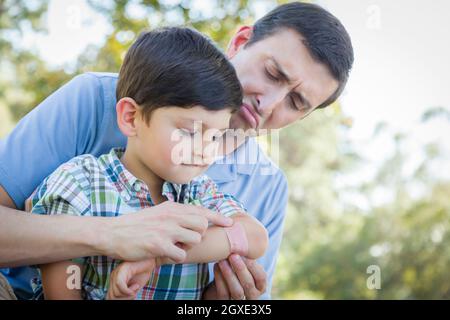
(137, 187)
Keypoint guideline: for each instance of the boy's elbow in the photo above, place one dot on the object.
(261, 242)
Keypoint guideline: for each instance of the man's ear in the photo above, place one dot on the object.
(127, 112)
(241, 37)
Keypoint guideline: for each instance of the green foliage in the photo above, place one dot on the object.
(328, 244)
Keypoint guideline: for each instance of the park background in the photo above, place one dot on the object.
(369, 176)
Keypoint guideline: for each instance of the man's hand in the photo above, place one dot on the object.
(237, 278)
(128, 278)
(165, 230)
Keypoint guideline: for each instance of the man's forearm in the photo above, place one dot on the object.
(34, 239)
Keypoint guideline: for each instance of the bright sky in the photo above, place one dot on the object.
(401, 68)
(402, 65)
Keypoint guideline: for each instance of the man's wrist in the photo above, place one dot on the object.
(96, 236)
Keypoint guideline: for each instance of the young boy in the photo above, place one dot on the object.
(173, 85)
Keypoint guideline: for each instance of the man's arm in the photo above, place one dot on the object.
(27, 239)
(32, 239)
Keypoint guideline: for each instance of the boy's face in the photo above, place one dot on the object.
(179, 144)
(270, 100)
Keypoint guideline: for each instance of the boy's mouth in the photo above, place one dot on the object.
(195, 165)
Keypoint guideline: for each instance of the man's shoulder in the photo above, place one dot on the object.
(81, 168)
(100, 75)
(93, 81)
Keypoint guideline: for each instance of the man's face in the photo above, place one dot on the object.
(281, 81)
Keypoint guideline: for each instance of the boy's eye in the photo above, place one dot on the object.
(188, 132)
(218, 136)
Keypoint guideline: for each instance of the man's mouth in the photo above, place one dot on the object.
(249, 114)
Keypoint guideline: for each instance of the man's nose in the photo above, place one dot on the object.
(266, 104)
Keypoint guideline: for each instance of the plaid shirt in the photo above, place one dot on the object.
(87, 186)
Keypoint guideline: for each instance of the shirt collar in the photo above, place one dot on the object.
(118, 171)
(242, 161)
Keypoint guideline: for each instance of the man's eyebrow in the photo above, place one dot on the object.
(280, 70)
(286, 78)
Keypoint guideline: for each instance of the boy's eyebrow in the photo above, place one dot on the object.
(286, 78)
(190, 120)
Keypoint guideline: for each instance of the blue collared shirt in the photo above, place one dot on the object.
(80, 118)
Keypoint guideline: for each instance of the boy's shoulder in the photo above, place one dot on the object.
(86, 163)
(82, 170)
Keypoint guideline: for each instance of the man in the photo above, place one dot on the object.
(292, 61)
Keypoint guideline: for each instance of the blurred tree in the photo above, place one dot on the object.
(329, 245)
(24, 78)
(129, 18)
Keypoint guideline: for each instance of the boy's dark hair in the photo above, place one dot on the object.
(325, 37)
(178, 67)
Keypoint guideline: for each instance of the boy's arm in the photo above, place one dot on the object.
(129, 277)
(215, 244)
(58, 279)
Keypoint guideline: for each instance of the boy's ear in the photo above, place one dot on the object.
(127, 113)
(241, 37)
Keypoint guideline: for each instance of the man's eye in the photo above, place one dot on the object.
(293, 104)
(271, 76)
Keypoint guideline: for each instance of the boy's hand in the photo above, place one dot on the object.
(128, 278)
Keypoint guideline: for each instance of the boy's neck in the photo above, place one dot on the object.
(154, 183)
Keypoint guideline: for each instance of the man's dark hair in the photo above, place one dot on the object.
(178, 67)
(325, 37)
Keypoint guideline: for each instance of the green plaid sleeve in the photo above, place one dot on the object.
(62, 192)
(210, 197)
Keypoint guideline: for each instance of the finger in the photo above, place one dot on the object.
(142, 266)
(214, 218)
(219, 220)
(186, 236)
(244, 276)
(194, 222)
(174, 253)
(122, 280)
(113, 291)
(221, 286)
(233, 284)
(258, 273)
(135, 288)
(189, 209)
